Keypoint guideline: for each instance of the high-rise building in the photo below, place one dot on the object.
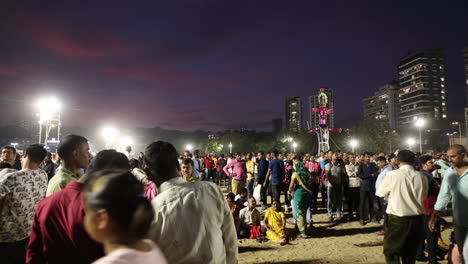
(423, 88)
(383, 104)
(314, 103)
(465, 62)
(277, 125)
(294, 114)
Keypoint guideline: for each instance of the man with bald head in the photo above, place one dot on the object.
(455, 187)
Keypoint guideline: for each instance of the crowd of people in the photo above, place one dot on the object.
(166, 207)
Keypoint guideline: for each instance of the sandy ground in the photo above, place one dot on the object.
(330, 243)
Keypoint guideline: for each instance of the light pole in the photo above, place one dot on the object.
(110, 135)
(294, 146)
(353, 143)
(459, 130)
(49, 116)
(290, 139)
(189, 147)
(410, 142)
(419, 124)
(230, 147)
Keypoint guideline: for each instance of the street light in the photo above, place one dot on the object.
(410, 142)
(294, 146)
(189, 147)
(110, 136)
(459, 130)
(49, 116)
(419, 124)
(353, 143)
(290, 139)
(230, 147)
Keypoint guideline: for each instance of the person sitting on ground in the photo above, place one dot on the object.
(119, 216)
(58, 231)
(242, 198)
(186, 169)
(275, 223)
(248, 217)
(235, 209)
(74, 152)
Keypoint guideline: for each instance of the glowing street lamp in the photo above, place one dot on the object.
(410, 142)
(290, 140)
(230, 147)
(189, 147)
(294, 146)
(353, 143)
(49, 116)
(419, 124)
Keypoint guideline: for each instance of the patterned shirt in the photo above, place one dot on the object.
(60, 180)
(22, 191)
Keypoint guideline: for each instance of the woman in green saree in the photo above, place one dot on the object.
(300, 190)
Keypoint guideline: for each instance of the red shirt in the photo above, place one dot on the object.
(58, 234)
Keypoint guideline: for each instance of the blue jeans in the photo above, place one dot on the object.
(335, 200)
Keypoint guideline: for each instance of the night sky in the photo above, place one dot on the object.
(215, 64)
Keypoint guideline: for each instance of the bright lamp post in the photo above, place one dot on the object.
(410, 142)
(459, 130)
(353, 143)
(294, 146)
(290, 140)
(230, 147)
(419, 124)
(110, 136)
(189, 147)
(49, 117)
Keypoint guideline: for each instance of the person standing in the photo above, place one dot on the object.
(405, 190)
(193, 222)
(238, 175)
(336, 179)
(20, 192)
(367, 172)
(250, 165)
(354, 187)
(58, 231)
(49, 166)
(276, 173)
(219, 170)
(455, 187)
(9, 156)
(74, 152)
(196, 164)
(314, 168)
(262, 169)
(380, 205)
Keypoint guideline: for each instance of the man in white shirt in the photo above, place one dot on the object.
(20, 191)
(249, 216)
(193, 223)
(405, 190)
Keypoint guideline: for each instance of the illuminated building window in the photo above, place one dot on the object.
(443, 104)
(442, 78)
(444, 116)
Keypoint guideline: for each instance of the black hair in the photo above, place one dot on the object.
(366, 153)
(262, 153)
(134, 163)
(36, 153)
(10, 148)
(161, 160)
(121, 195)
(275, 153)
(243, 190)
(108, 159)
(188, 162)
(238, 154)
(406, 156)
(231, 196)
(381, 158)
(391, 156)
(5, 165)
(423, 159)
(221, 156)
(68, 144)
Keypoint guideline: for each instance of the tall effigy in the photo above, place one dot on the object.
(323, 130)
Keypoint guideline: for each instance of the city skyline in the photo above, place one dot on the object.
(215, 65)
